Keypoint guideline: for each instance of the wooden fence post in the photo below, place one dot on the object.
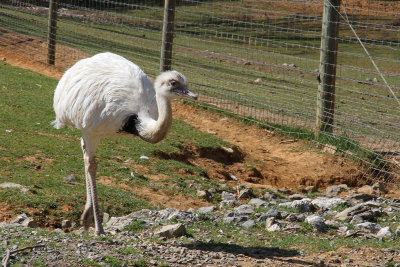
(327, 67)
(52, 32)
(167, 35)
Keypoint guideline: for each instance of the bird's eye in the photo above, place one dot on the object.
(173, 83)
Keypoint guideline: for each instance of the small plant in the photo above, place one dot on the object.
(306, 227)
(135, 227)
(142, 262)
(112, 261)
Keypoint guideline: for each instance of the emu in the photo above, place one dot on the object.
(107, 95)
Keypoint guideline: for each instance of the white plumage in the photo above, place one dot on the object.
(107, 95)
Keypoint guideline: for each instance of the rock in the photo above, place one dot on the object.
(296, 197)
(329, 149)
(232, 177)
(328, 203)
(144, 157)
(271, 226)
(204, 194)
(206, 209)
(357, 219)
(364, 210)
(20, 219)
(293, 217)
(249, 224)
(70, 178)
(363, 197)
(366, 189)
(23, 189)
(257, 81)
(227, 196)
(272, 213)
(66, 224)
(106, 217)
(384, 232)
(256, 202)
(379, 188)
(318, 223)
(375, 80)
(270, 196)
(303, 205)
(118, 223)
(228, 203)
(334, 190)
(397, 232)
(246, 193)
(244, 210)
(369, 226)
(171, 231)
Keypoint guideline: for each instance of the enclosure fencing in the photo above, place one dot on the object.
(326, 71)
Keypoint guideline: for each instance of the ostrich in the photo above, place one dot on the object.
(107, 95)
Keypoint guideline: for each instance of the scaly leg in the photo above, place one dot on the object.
(91, 211)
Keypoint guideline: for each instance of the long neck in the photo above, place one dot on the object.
(157, 130)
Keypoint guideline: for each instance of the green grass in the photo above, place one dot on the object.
(34, 154)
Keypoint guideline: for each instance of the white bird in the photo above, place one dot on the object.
(107, 95)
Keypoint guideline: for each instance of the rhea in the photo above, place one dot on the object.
(108, 95)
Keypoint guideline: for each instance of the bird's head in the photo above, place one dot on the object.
(173, 84)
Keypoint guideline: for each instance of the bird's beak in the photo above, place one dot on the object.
(187, 93)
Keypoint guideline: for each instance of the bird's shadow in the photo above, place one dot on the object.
(256, 252)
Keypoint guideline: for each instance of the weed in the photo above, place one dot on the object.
(142, 262)
(135, 226)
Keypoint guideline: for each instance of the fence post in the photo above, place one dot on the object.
(52, 32)
(327, 67)
(167, 35)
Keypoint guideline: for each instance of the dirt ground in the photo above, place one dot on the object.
(278, 161)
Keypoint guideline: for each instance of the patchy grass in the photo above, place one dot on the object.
(34, 154)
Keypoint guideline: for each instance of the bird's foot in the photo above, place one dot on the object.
(87, 218)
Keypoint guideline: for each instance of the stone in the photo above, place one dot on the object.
(249, 224)
(23, 189)
(70, 178)
(269, 222)
(397, 232)
(246, 193)
(384, 232)
(303, 205)
(66, 224)
(369, 226)
(204, 194)
(206, 209)
(293, 217)
(118, 223)
(364, 210)
(227, 196)
(357, 219)
(228, 203)
(273, 212)
(363, 197)
(171, 231)
(244, 210)
(257, 81)
(318, 223)
(270, 196)
(256, 202)
(379, 188)
(366, 189)
(328, 203)
(106, 217)
(20, 219)
(329, 149)
(334, 190)
(296, 197)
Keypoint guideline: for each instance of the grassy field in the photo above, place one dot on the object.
(34, 154)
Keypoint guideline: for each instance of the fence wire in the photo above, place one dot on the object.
(256, 59)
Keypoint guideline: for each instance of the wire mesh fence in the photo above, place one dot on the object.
(256, 59)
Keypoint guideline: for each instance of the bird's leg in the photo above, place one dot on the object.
(91, 208)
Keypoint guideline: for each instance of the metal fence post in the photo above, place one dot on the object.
(167, 35)
(52, 32)
(327, 67)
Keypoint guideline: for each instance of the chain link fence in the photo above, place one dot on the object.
(260, 60)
